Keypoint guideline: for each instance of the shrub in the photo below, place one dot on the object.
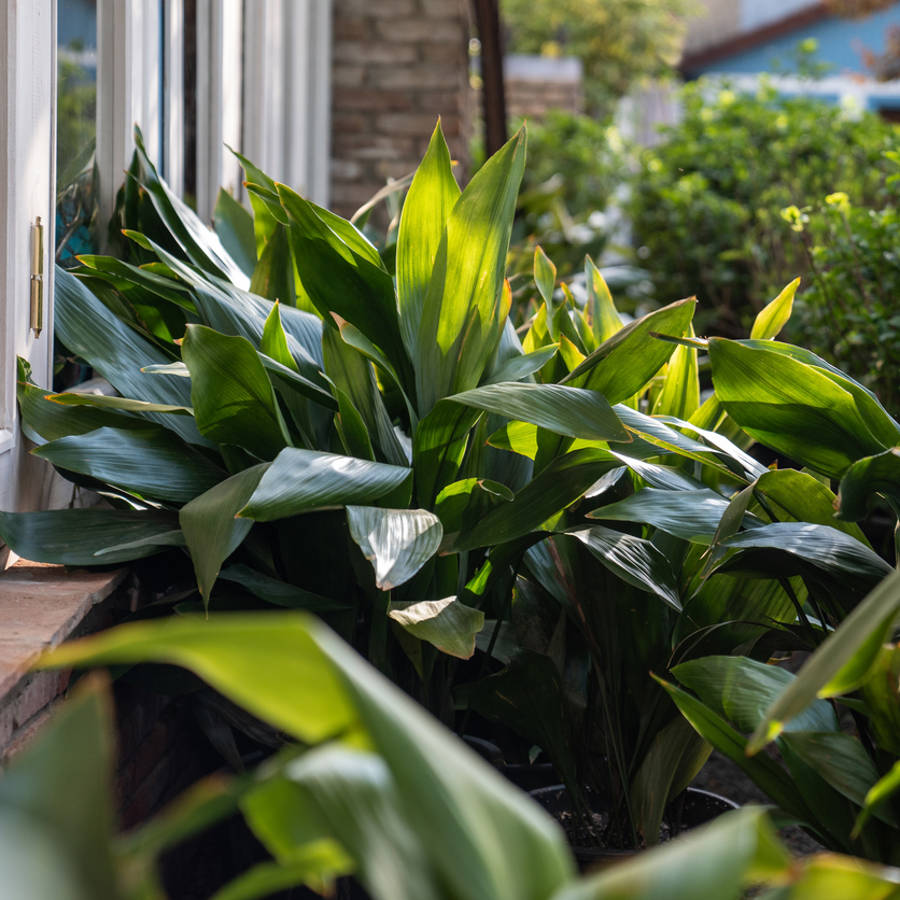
(848, 312)
(706, 202)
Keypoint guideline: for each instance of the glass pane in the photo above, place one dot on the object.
(76, 129)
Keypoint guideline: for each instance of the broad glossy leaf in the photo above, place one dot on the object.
(62, 785)
(841, 761)
(274, 341)
(316, 866)
(342, 277)
(124, 404)
(792, 407)
(45, 420)
(432, 195)
(625, 362)
(680, 394)
(559, 485)
(604, 318)
(439, 443)
(573, 412)
(484, 838)
(792, 494)
(774, 316)
(211, 527)
(277, 592)
(273, 274)
(738, 461)
(464, 310)
(345, 803)
(764, 771)
(636, 561)
(845, 877)
(398, 542)
(840, 663)
(74, 537)
(742, 690)
(519, 367)
(462, 504)
(302, 480)
(85, 326)
(693, 515)
(714, 861)
(201, 245)
(887, 786)
(871, 474)
(819, 546)
(447, 624)
(152, 462)
(234, 226)
(233, 399)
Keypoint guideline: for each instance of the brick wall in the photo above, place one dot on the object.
(536, 84)
(396, 66)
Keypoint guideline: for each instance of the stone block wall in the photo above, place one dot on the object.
(396, 66)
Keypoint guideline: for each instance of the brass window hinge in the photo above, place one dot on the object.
(37, 277)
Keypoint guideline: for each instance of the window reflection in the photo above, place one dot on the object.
(76, 129)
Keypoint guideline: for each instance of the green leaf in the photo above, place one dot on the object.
(559, 485)
(274, 341)
(714, 861)
(624, 363)
(636, 561)
(680, 394)
(792, 407)
(796, 495)
(743, 689)
(234, 226)
(462, 504)
(569, 411)
(152, 462)
(273, 274)
(765, 772)
(516, 368)
(693, 515)
(233, 399)
(75, 537)
(56, 804)
(774, 316)
(125, 404)
(201, 245)
(484, 838)
(427, 207)
(841, 761)
(398, 542)
(846, 877)
(338, 270)
(279, 593)
(86, 327)
(211, 527)
(351, 799)
(871, 474)
(465, 304)
(886, 786)
(303, 480)
(840, 663)
(793, 545)
(604, 317)
(447, 624)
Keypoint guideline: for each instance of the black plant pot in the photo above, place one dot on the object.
(692, 808)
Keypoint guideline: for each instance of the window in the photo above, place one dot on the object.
(194, 74)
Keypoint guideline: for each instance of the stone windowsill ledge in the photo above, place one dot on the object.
(41, 606)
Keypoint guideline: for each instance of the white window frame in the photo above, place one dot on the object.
(287, 92)
(27, 187)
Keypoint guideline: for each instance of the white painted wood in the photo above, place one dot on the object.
(173, 94)
(129, 76)
(27, 164)
(287, 92)
(219, 87)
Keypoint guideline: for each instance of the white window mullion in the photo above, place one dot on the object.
(219, 31)
(27, 139)
(173, 99)
(287, 92)
(129, 70)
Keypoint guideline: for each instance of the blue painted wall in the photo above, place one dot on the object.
(841, 42)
